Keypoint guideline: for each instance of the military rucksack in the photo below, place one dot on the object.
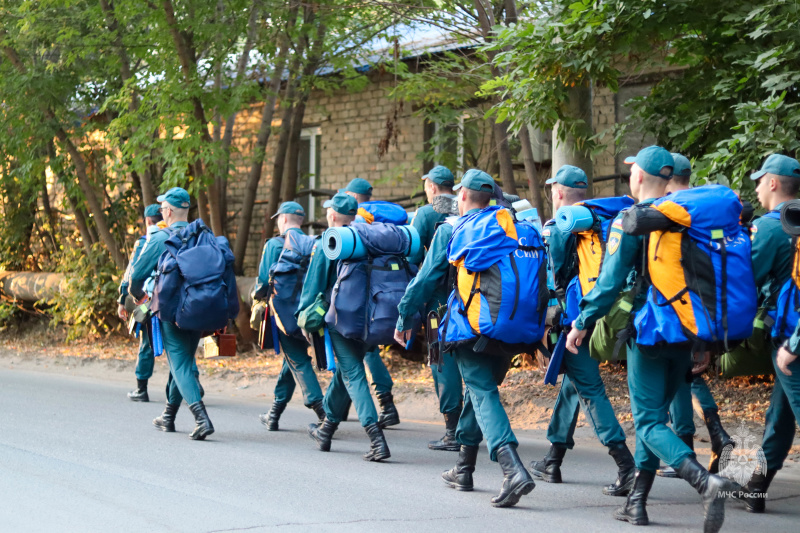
(703, 290)
(286, 280)
(499, 302)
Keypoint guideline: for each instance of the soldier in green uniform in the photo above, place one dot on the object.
(296, 366)
(350, 378)
(146, 359)
(429, 291)
(778, 181)
(361, 190)
(654, 373)
(483, 414)
(581, 383)
(180, 345)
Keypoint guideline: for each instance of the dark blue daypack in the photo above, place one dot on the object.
(367, 292)
(286, 280)
(195, 286)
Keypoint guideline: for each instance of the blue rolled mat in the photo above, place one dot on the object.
(574, 218)
(345, 243)
(329, 352)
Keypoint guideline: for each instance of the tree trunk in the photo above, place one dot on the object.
(530, 170)
(259, 152)
(279, 165)
(566, 151)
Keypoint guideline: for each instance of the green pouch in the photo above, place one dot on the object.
(604, 336)
(754, 356)
(312, 318)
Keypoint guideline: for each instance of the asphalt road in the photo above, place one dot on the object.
(76, 455)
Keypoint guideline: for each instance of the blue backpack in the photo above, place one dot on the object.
(195, 286)
(703, 289)
(286, 280)
(380, 211)
(499, 303)
(367, 292)
(787, 313)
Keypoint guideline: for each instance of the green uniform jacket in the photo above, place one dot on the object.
(320, 278)
(772, 257)
(147, 262)
(621, 264)
(272, 251)
(126, 278)
(425, 222)
(429, 287)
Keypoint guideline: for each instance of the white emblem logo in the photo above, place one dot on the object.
(740, 461)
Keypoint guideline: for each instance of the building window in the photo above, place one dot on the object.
(308, 166)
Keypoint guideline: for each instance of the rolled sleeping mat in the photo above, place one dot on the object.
(574, 219)
(790, 217)
(344, 243)
(643, 220)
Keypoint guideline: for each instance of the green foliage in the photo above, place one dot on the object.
(87, 303)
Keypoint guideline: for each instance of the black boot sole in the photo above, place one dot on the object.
(444, 447)
(165, 429)
(201, 435)
(515, 495)
(549, 478)
(376, 458)
(634, 521)
(322, 445)
(622, 490)
(462, 488)
(714, 515)
(143, 399)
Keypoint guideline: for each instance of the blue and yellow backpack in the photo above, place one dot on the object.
(499, 301)
(703, 290)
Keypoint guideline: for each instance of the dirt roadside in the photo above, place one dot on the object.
(252, 375)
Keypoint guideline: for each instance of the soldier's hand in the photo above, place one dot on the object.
(784, 359)
(307, 335)
(575, 338)
(700, 362)
(401, 337)
(121, 312)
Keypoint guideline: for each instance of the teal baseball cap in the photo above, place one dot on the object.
(290, 208)
(176, 197)
(682, 166)
(152, 211)
(440, 175)
(654, 160)
(358, 186)
(476, 180)
(343, 204)
(570, 176)
(781, 165)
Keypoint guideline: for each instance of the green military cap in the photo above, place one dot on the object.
(358, 186)
(682, 166)
(440, 175)
(290, 208)
(152, 211)
(780, 165)
(654, 160)
(570, 176)
(343, 204)
(476, 180)
(176, 197)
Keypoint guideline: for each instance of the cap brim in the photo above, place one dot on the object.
(161, 198)
(276, 214)
(757, 175)
(327, 204)
(457, 187)
(630, 160)
(550, 181)
(424, 177)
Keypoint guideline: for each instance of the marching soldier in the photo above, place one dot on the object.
(296, 366)
(350, 380)
(654, 374)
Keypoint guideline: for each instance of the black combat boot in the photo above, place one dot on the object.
(318, 410)
(460, 476)
(517, 482)
(140, 394)
(271, 419)
(389, 415)
(378, 449)
(668, 471)
(448, 442)
(754, 494)
(322, 433)
(635, 508)
(166, 422)
(626, 470)
(203, 427)
(549, 468)
(710, 487)
(718, 436)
